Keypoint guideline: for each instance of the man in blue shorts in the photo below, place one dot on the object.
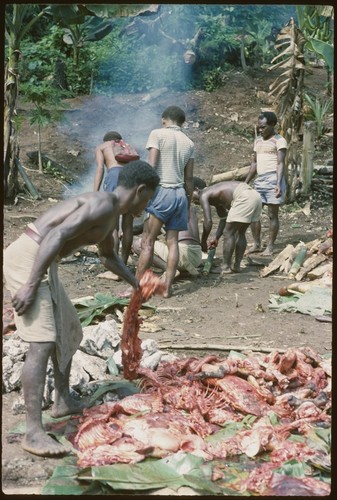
(269, 156)
(171, 153)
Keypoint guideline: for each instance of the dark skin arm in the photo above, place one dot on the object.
(222, 213)
(188, 180)
(252, 171)
(99, 168)
(281, 154)
(153, 157)
(207, 224)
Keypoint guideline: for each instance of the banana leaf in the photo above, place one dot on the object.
(90, 308)
(323, 49)
(107, 386)
(180, 469)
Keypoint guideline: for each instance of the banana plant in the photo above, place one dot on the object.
(91, 30)
(318, 111)
(315, 23)
(287, 92)
(19, 20)
(47, 103)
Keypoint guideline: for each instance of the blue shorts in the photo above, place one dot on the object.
(111, 179)
(169, 205)
(265, 185)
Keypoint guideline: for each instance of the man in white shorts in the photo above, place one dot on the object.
(237, 205)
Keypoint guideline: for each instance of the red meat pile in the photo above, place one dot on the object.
(187, 400)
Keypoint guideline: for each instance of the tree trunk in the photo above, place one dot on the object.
(11, 183)
(60, 75)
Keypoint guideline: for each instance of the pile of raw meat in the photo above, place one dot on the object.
(186, 401)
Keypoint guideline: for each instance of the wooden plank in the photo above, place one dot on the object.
(276, 263)
(318, 271)
(310, 264)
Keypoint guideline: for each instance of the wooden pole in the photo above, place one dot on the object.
(217, 347)
(309, 132)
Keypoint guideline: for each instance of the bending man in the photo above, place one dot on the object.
(44, 315)
(237, 205)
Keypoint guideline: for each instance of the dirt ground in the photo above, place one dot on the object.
(206, 312)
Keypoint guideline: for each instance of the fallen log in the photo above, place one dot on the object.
(30, 186)
(218, 347)
(323, 169)
(318, 271)
(314, 246)
(239, 174)
(276, 263)
(153, 95)
(310, 264)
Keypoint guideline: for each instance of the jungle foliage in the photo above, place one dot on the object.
(80, 49)
(135, 54)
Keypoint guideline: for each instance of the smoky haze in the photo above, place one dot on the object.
(132, 115)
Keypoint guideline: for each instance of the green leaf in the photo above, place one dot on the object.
(108, 386)
(323, 49)
(64, 482)
(180, 469)
(294, 468)
(89, 308)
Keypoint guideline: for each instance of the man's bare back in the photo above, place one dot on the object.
(84, 220)
(106, 150)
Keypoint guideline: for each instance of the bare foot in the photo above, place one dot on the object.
(268, 251)
(253, 249)
(64, 408)
(40, 443)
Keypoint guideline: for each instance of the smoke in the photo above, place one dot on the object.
(88, 125)
(159, 56)
(160, 44)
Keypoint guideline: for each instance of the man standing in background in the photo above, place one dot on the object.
(105, 157)
(171, 153)
(269, 155)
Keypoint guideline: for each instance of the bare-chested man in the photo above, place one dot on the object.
(243, 205)
(44, 315)
(105, 157)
